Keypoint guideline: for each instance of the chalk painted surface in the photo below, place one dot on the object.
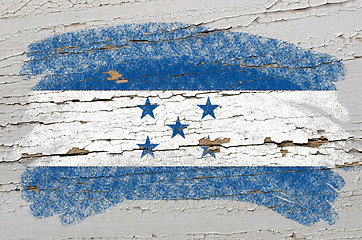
(238, 131)
(249, 129)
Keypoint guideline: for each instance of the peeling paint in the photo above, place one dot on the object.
(26, 121)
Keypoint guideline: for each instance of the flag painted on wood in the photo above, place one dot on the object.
(162, 111)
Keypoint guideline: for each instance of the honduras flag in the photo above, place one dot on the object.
(171, 111)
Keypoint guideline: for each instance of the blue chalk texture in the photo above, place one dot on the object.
(176, 56)
(302, 194)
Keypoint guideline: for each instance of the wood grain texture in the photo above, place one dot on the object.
(26, 120)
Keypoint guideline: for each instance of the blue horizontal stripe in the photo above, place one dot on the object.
(302, 194)
(176, 56)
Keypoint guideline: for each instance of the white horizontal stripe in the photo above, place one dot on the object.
(111, 130)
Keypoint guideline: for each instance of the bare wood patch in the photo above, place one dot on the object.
(313, 142)
(27, 155)
(115, 76)
(216, 142)
(33, 188)
(77, 151)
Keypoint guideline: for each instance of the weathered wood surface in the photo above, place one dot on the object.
(332, 27)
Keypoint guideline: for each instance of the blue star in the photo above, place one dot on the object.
(178, 128)
(207, 151)
(147, 147)
(147, 108)
(208, 108)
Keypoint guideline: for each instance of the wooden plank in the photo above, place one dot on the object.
(268, 141)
